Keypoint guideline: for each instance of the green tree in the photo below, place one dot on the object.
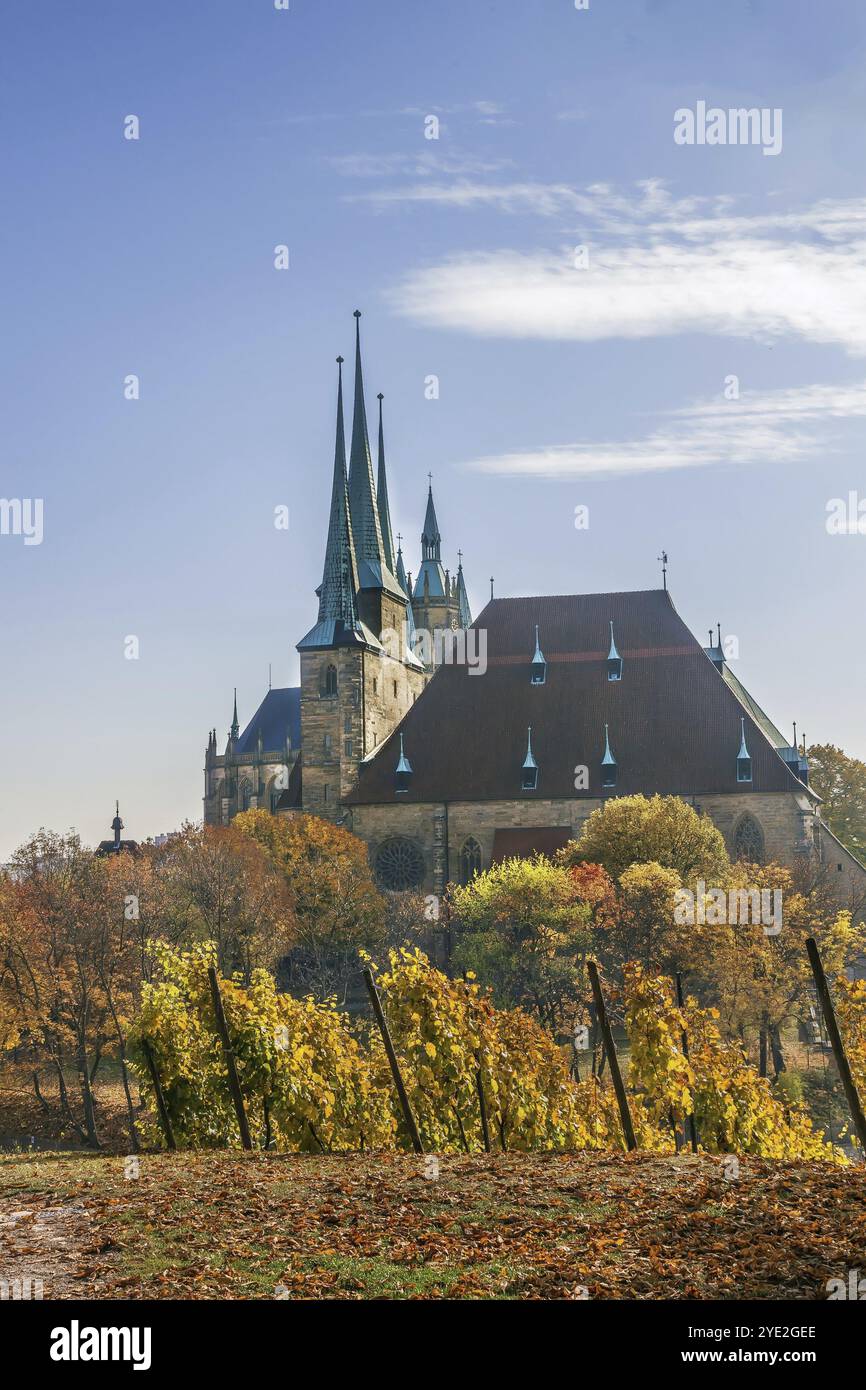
(663, 830)
(521, 928)
(841, 781)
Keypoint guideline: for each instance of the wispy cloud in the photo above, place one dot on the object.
(416, 164)
(656, 267)
(760, 428)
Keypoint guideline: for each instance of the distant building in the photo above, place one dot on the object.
(116, 845)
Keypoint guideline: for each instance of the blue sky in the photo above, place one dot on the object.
(601, 386)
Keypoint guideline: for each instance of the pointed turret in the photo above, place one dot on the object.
(338, 614)
(744, 760)
(538, 665)
(382, 497)
(373, 571)
(529, 780)
(464, 613)
(117, 826)
(235, 728)
(431, 541)
(430, 582)
(614, 660)
(403, 771)
(608, 763)
(405, 586)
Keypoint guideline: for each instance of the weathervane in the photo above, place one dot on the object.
(664, 563)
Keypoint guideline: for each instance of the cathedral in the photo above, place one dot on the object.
(448, 745)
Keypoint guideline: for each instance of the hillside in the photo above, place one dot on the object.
(606, 1226)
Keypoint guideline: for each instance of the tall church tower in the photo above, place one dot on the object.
(439, 599)
(358, 676)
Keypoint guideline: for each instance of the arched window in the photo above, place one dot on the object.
(330, 680)
(246, 795)
(399, 865)
(470, 860)
(749, 841)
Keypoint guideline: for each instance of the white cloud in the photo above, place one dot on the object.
(770, 427)
(658, 266)
(420, 164)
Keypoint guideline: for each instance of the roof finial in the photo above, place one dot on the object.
(235, 729)
(664, 563)
(491, 586)
(269, 676)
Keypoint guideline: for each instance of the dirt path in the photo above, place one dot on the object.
(41, 1247)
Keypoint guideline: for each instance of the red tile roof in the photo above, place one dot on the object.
(674, 722)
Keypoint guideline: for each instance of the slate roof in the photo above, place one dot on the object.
(674, 720)
(278, 714)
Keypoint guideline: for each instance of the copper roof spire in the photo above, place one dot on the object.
(382, 497)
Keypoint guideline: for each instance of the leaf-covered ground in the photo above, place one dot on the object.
(508, 1226)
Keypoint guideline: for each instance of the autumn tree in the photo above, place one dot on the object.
(755, 958)
(664, 830)
(335, 907)
(841, 781)
(521, 928)
(69, 962)
(218, 884)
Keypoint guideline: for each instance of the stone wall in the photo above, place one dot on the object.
(440, 831)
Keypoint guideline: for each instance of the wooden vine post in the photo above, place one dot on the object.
(835, 1036)
(392, 1059)
(692, 1128)
(231, 1064)
(482, 1106)
(161, 1106)
(613, 1060)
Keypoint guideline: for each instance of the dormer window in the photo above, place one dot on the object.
(608, 764)
(529, 779)
(744, 762)
(614, 660)
(403, 771)
(538, 669)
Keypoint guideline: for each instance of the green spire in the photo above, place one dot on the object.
(431, 541)
(382, 497)
(236, 728)
(464, 614)
(340, 578)
(366, 529)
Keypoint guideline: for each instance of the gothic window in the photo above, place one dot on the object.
(399, 865)
(347, 724)
(749, 841)
(246, 794)
(347, 747)
(326, 743)
(470, 860)
(330, 680)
